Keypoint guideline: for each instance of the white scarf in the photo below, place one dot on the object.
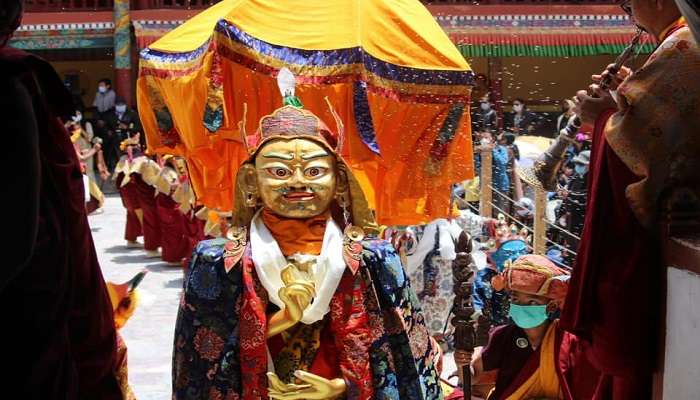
(449, 231)
(691, 12)
(328, 270)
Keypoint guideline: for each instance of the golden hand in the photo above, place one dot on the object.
(313, 387)
(296, 297)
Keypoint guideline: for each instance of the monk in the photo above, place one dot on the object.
(135, 176)
(175, 246)
(86, 152)
(143, 181)
(185, 198)
(645, 141)
(127, 192)
(58, 335)
(532, 356)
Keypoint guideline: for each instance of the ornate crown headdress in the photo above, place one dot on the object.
(502, 232)
(291, 120)
(508, 243)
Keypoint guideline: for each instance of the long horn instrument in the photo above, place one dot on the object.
(543, 173)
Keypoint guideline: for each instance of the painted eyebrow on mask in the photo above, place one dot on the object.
(316, 154)
(280, 156)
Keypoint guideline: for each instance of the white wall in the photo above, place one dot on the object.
(682, 366)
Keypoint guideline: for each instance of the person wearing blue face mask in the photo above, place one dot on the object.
(533, 357)
(575, 197)
(499, 165)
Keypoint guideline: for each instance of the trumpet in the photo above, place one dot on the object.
(543, 173)
(621, 59)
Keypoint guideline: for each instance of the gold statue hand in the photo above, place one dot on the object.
(296, 297)
(277, 386)
(313, 387)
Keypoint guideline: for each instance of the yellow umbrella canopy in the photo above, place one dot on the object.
(398, 85)
(531, 148)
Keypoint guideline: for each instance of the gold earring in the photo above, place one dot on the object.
(251, 199)
(342, 195)
(249, 186)
(343, 199)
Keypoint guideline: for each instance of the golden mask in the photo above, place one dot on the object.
(296, 178)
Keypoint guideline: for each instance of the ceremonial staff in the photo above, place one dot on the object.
(544, 171)
(469, 331)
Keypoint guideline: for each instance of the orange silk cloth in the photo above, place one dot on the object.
(296, 235)
(391, 74)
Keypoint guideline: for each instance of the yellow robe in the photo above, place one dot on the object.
(544, 383)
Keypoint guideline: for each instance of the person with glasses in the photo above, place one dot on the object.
(691, 12)
(645, 144)
(626, 6)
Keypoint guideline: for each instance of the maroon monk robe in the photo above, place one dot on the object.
(515, 364)
(147, 200)
(613, 297)
(174, 243)
(130, 200)
(194, 233)
(92, 205)
(58, 335)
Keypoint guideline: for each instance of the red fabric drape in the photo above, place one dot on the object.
(175, 245)
(59, 335)
(147, 201)
(613, 295)
(130, 200)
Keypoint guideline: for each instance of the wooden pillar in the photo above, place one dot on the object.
(540, 222)
(495, 75)
(485, 181)
(122, 50)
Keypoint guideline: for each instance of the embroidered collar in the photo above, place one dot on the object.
(676, 25)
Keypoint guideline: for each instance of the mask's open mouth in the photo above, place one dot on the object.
(299, 196)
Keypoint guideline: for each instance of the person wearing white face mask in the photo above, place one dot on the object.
(105, 97)
(575, 196)
(120, 124)
(522, 121)
(123, 120)
(486, 117)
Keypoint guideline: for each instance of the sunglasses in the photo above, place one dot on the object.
(626, 6)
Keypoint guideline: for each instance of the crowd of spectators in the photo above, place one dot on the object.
(512, 197)
(108, 122)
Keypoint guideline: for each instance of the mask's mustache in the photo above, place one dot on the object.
(299, 195)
